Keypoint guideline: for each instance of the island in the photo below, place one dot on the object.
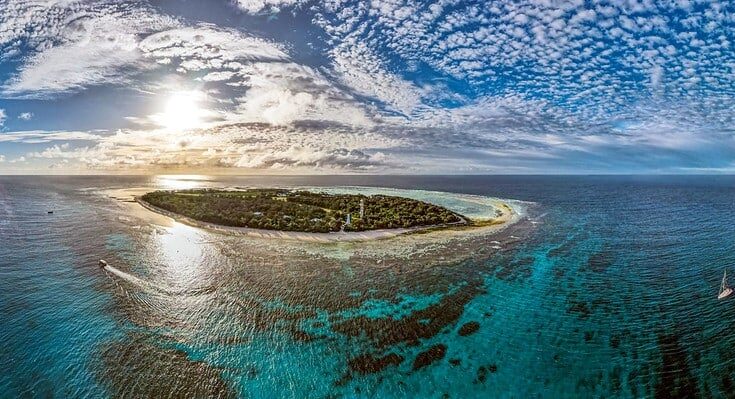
(302, 211)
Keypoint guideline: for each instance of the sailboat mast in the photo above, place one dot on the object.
(725, 291)
(724, 282)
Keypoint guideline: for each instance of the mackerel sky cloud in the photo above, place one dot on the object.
(381, 86)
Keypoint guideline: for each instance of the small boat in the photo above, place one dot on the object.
(50, 212)
(725, 291)
(102, 263)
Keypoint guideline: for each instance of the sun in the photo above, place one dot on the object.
(182, 111)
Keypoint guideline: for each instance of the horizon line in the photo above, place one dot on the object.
(725, 174)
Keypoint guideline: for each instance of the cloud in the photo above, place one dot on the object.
(74, 45)
(256, 146)
(339, 158)
(3, 117)
(258, 6)
(208, 47)
(43, 136)
(25, 116)
(292, 93)
(585, 58)
(56, 151)
(360, 69)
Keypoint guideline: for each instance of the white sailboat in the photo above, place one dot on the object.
(725, 291)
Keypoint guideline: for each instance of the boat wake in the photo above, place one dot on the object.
(146, 285)
(131, 279)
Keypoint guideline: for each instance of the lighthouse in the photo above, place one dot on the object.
(362, 208)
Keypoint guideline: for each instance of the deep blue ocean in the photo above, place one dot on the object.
(606, 289)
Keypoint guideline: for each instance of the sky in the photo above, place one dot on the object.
(381, 86)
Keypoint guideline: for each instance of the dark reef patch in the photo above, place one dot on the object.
(469, 328)
(614, 341)
(615, 379)
(600, 261)
(728, 386)
(368, 364)
(128, 368)
(483, 371)
(481, 375)
(421, 324)
(455, 362)
(580, 308)
(302, 336)
(429, 356)
(675, 378)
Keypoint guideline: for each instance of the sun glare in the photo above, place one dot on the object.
(180, 182)
(182, 111)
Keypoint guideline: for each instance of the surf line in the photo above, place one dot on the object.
(148, 285)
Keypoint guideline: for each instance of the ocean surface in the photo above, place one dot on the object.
(606, 288)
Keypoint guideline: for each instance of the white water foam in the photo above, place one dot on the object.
(146, 285)
(132, 279)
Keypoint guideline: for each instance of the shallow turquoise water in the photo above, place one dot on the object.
(607, 290)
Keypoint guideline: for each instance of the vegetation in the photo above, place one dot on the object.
(276, 209)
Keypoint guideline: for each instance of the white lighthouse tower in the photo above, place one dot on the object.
(362, 208)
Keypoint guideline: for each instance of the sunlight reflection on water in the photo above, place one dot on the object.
(180, 182)
(179, 252)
